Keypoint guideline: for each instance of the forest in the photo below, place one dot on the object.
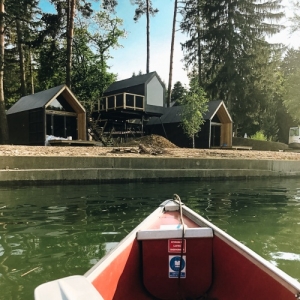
(226, 52)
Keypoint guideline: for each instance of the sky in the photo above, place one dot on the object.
(131, 58)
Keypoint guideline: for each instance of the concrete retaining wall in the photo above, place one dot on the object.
(33, 170)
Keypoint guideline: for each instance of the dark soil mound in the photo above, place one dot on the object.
(150, 141)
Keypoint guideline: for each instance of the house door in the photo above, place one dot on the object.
(215, 139)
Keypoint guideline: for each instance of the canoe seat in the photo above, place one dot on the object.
(163, 258)
(175, 232)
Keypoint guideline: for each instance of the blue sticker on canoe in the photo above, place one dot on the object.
(174, 266)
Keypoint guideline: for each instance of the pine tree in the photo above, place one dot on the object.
(145, 7)
(226, 38)
(178, 92)
(172, 54)
(22, 24)
(194, 47)
(291, 69)
(233, 30)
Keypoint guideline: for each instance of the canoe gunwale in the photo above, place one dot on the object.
(290, 283)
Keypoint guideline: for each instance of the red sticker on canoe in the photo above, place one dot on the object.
(175, 246)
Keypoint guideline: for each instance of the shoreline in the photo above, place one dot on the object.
(36, 170)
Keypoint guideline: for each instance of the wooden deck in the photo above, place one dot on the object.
(234, 147)
(73, 143)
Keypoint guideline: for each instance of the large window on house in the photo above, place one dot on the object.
(61, 126)
(60, 104)
(61, 119)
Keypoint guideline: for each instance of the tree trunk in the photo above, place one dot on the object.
(199, 44)
(21, 59)
(148, 38)
(171, 56)
(70, 35)
(4, 138)
(31, 72)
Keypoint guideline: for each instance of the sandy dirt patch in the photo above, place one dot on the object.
(156, 145)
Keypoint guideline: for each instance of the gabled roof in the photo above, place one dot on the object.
(39, 100)
(173, 114)
(133, 81)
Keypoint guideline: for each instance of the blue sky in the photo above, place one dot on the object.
(132, 56)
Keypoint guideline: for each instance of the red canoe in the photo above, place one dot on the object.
(176, 254)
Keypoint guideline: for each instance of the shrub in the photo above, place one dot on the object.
(259, 136)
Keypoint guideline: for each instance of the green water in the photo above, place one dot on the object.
(47, 232)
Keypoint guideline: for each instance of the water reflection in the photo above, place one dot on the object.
(55, 231)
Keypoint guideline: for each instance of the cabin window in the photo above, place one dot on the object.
(110, 102)
(119, 100)
(139, 102)
(60, 104)
(216, 119)
(61, 126)
(129, 101)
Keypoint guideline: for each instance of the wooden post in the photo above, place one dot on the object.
(134, 102)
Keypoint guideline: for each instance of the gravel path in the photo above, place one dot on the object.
(156, 144)
(134, 152)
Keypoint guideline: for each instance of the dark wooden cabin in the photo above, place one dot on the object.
(54, 112)
(135, 96)
(215, 132)
(127, 103)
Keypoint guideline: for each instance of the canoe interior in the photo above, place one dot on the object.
(214, 270)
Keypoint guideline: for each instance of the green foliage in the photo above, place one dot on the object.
(291, 98)
(259, 136)
(22, 25)
(178, 92)
(88, 65)
(226, 45)
(142, 8)
(291, 67)
(262, 95)
(91, 48)
(194, 106)
(44, 44)
(51, 65)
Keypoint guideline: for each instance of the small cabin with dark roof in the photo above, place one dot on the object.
(142, 95)
(54, 112)
(215, 132)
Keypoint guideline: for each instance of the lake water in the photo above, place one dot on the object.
(47, 232)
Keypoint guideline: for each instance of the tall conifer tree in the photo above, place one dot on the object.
(194, 47)
(145, 7)
(21, 27)
(231, 34)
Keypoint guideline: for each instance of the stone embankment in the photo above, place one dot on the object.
(59, 165)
